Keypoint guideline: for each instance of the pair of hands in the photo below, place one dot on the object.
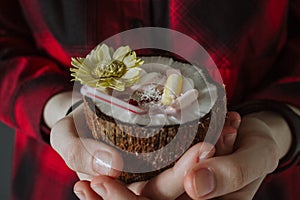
(234, 169)
(172, 183)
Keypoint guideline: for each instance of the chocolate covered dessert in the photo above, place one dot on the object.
(151, 109)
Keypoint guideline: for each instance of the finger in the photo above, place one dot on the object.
(110, 189)
(84, 155)
(221, 175)
(246, 193)
(232, 122)
(169, 184)
(225, 143)
(233, 119)
(83, 191)
(137, 187)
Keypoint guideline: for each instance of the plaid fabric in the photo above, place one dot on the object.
(255, 45)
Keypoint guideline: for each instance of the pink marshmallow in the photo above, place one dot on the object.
(186, 99)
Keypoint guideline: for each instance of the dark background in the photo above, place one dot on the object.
(6, 151)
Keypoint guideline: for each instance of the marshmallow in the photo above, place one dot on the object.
(186, 99)
(172, 89)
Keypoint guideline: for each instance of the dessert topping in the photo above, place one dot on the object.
(172, 89)
(104, 68)
(185, 99)
(148, 97)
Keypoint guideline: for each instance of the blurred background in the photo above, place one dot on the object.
(6, 152)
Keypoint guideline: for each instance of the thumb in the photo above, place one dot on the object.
(81, 154)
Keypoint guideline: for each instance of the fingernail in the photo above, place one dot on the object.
(206, 150)
(204, 182)
(99, 189)
(229, 139)
(80, 195)
(102, 162)
(204, 155)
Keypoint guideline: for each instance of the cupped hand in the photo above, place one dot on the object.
(170, 183)
(262, 140)
(81, 153)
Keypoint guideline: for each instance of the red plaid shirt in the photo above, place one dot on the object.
(255, 44)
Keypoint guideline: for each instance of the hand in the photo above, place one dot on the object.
(84, 155)
(263, 139)
(168, 184)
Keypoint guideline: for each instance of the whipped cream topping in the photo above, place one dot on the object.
(196, 98)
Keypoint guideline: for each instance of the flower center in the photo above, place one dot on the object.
(114, 69)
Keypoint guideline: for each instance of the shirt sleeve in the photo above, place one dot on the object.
(286, 86)
(28, 76)
(283, 88)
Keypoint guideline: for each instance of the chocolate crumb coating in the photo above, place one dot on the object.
(135, 141)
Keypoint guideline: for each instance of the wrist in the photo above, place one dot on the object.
(277, 128)
(291, 118)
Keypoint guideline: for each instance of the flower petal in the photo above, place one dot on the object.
(131, 73)
(129, 61)
(114, 84)
(121, 52)
(104, 53)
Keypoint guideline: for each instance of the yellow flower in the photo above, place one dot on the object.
(103, 68)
